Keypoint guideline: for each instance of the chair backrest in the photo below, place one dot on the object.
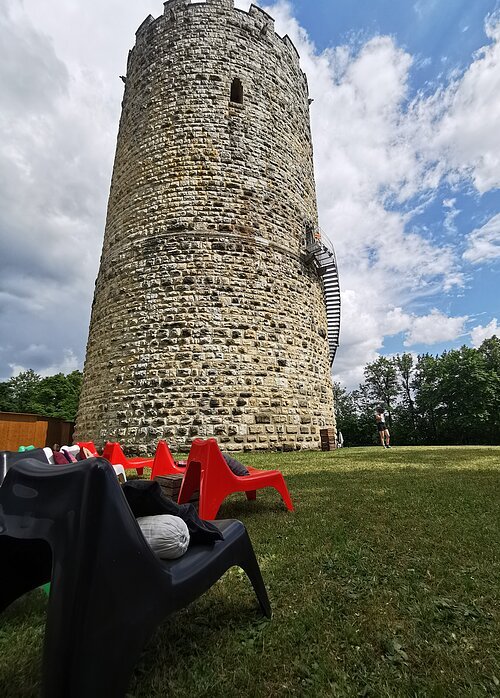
(89, 445)
(164, 463)
(10, 458)
(49, 454)
(77, 508)
(208, 454)
(73, 450)
(80, 510)
(114, 453)
(99, 561)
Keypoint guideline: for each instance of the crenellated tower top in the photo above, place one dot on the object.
(256, 20)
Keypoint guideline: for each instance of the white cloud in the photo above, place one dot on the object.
(435, 327)
(461, 119)
(422, 8)
(360, 336)
(481, 332)
(483, 244)
(44, 78)
(450, 214)
(69, 363)
(61, 114)
(397, 321)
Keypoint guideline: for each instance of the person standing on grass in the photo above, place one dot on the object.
(340, 439)
(383, 431)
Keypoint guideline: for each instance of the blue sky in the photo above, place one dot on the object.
(406, 132)
(450, 30)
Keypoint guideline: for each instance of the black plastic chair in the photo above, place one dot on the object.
(71, 525)
(9, 458)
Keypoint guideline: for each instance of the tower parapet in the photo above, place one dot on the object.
(206, 319)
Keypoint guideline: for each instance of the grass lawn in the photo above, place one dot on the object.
(385, 582)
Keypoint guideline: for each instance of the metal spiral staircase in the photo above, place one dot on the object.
(321, 255)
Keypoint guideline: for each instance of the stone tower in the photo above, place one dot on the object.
(208, 318)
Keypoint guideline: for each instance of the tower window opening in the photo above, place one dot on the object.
(237, 91)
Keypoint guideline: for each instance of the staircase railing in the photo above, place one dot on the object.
(321, 254)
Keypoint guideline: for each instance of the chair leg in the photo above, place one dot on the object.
(139, 471)
(250, 565)
(251, 494)
(207, 510)
(281, 487)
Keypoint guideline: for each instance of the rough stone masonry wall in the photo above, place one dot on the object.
(206, 319)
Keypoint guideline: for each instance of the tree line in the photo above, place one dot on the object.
(53, 396)
(453, 398)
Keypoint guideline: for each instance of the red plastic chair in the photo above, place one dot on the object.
(113, 453)
(164, 463)
(208, 472)
(89, 445)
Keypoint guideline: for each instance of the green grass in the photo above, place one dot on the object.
(384, 582)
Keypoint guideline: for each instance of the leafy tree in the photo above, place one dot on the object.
(23, 390)
(468, 394)
(381, 379)
(72, 397)
(456, 397)
(6, 403)
(58, 395)
(451, 398)
(428, 398)
(350, 417)
(407, 420)
(344, 405)
(53, 396)
(406, 370)
(363, 400)
(490, 351)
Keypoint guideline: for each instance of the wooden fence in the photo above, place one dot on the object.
(19, 429)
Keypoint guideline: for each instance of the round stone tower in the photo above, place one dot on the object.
(208, 318)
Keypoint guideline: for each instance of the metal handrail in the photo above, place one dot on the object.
(319, 247)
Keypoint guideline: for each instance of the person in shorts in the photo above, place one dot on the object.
(383, 431)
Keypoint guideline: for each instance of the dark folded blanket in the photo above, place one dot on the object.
(235, 465)
(145, 498)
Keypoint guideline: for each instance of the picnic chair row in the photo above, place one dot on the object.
(206, 471)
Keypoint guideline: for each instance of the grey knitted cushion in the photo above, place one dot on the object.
(167, 535)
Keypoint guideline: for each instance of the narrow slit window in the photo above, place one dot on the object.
(237, 91)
